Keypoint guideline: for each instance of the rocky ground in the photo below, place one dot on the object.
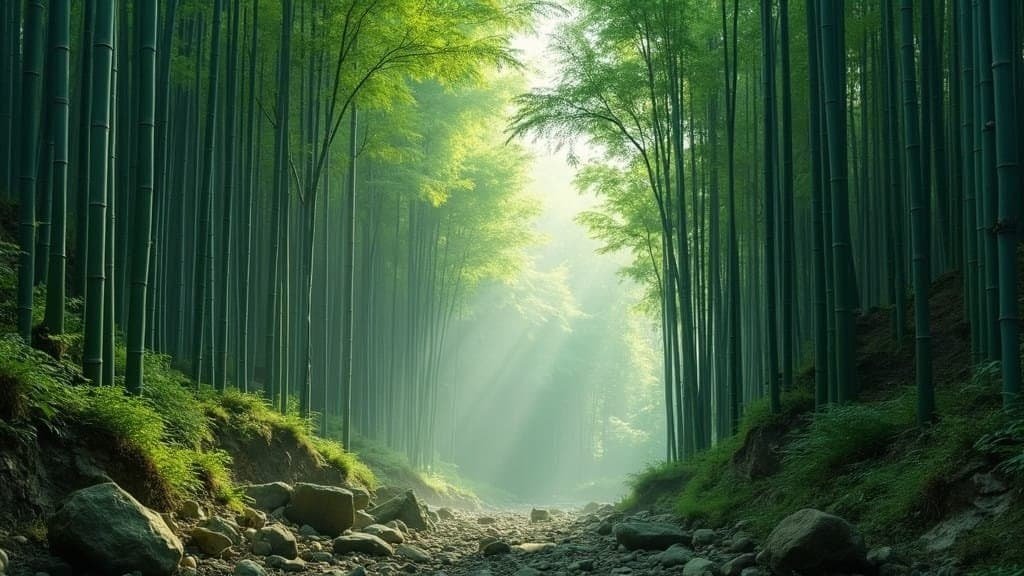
(103, 530)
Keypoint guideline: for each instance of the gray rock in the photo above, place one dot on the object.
(362, 543)
(275, 540)
(328, 509)
(398, 525)
(527, 571)
(638, 535)
(308, 531)
(405, 507)
(533, 547)
(269, 496)
(105, 529)
(252, 518)
(325, 557)
(704, 537)
(742, 545)
(360, 496)
(191, 510)
(210, 542)
(893, 570)
(676, 555)
(700, 567)
(412, 553)
(385, 533)
(540, 515)
(286, 564)
(225, 527)
(445, 514)
(812, 542)
(737, 565)
(249, 568)
(4, 561)
(605, 528)
(363, 520)
(485, 520)
(358, 571)
(497, 547)
(752, 571)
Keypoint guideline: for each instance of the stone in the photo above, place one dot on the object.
(485, 520)
(527, 571)
(742, 545)
(737, 565)
(362, 543)
(496, 547)
(286, 564)
(328, 509)
(308, 531)
(4, 561)
(105, 529)
(583, 565)
(275, 540)
(540, 515)
(405, 507)
(676, 555)
(325, 557)
(813, 542)
(704, 537)
(191, 510)
(189, 562)
(638, 535)
(358, 571)
(385, 533)
(752, 571)
(445, 514)
(360, 496)
(210, 542)
(893, 569)
(398, 525)
(249, 568)
(412, 553)
(700, 567)
(269, 496)
(225, 527)
(605, 528)
(363, 520)
(252, 518)
(591, 507)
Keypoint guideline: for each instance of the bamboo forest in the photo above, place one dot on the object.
(511, 287)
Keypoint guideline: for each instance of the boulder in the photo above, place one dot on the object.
(252, 518)
(225, 527)
(363, 520)
(412, 553)
(742, 545)
(385, 533)
(445, 514)
(286, 564)
(812, 542)
(362, 543)
(591, 507)
(275, 540)
(638, 535)
(105, 529)
(398, 525)
(540, 515)
(360, 496)
(700, 567)
(485, 520)
(405, 507)
(704, 537)
(191, 510)
(210, 542)
(328, 509)
(249, 568)
(269, 496)
(676, 555)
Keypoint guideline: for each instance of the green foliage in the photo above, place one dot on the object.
(869, 463)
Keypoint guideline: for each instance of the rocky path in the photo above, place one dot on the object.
(103, 530)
